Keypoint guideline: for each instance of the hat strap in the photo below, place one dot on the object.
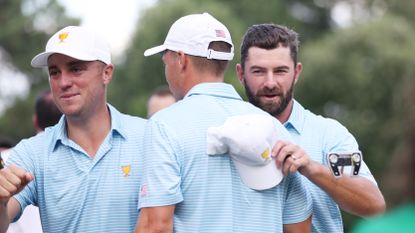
(212, 54)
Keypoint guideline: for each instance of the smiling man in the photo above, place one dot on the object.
(269, 71)
(75, 171)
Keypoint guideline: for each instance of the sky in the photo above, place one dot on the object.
(114, 19)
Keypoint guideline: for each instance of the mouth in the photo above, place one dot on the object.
(68, 96)
(269, 97)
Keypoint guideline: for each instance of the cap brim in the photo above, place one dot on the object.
(259, 177)
(41, 60)
(154, 50)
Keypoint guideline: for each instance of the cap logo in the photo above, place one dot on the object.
(265, 154)
(220, 33)
(63, 36)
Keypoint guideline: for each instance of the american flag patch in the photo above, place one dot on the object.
(220, 33)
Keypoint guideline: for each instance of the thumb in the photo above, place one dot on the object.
(28, 177)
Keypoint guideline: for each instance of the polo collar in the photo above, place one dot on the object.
(297, 118)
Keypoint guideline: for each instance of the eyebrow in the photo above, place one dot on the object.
(277, 67)
(77, 62)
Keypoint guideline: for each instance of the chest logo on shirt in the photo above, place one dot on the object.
(143, 190)
(126, 170)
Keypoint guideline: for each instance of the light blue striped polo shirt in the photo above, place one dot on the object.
(207, 190)
(318, 136)
(77, 193)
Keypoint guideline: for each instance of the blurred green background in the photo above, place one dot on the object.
(357, 70)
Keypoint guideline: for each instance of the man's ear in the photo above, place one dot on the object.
(298, 69)
(183, 60)
(240, 73)
(108, 71)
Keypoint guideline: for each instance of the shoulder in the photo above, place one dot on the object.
(32, 148)
(126, 121)
(135, 120)
(323, 123)
(329, 132)
(39, 140)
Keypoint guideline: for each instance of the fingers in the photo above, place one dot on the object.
(289, 157)
(12, 180)
(282, 150)
(291, 164)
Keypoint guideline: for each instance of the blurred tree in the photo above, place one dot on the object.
(403, 9)
(356, 75)
(26, 26)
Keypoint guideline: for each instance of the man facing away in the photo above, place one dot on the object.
(269, 71)
(184, 189)
(82, 172)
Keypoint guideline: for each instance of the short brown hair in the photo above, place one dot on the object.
(217, 67)
(269, 36)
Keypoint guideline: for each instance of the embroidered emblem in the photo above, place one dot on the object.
(265, 154)
(63, 36)
(143, 190)
(126, 170)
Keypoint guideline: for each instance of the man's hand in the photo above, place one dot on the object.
(290, 157)
(12, 180)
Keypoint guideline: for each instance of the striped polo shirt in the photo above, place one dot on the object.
(207, 191)
(318, 136)
(77, 193)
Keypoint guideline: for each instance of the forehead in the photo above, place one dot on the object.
(269, 57)
(57, 57)
(61, 60)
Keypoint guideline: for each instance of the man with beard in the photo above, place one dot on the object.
(268, 71)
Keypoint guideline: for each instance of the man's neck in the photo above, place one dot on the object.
(89, 133)
(285, 115)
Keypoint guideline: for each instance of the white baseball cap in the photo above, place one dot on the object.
(77, 42)
(249, 140)
(192, 34)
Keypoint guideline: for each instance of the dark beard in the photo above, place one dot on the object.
(273, 108)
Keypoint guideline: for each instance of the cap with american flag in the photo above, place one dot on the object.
(192, 34)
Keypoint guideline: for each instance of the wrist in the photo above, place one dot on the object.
(311, 169)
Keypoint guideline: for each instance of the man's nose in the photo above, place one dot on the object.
(65, 79)
(270, 80)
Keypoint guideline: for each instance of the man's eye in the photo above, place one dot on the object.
(76, 69)
(53, 73)
(281, 71)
